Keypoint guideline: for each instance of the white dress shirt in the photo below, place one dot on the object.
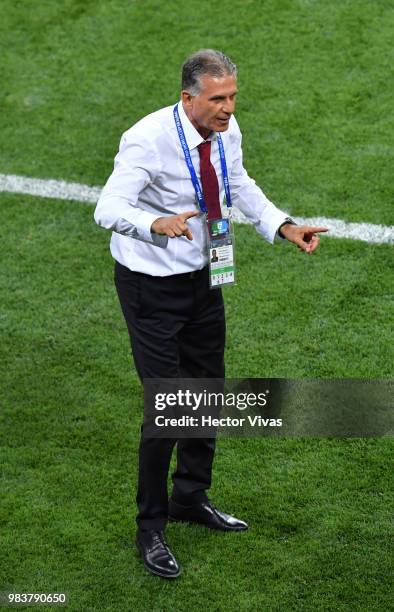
(151, 179)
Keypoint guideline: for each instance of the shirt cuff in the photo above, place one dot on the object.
(144, 224)
(142, 231)
(270, 230)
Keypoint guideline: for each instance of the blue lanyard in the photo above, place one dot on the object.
(189, 163)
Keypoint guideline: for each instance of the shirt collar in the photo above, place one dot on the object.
(193, 138)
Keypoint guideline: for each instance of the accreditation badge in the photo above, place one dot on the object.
(221, 252)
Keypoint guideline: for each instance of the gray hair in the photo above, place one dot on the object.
(205, 61)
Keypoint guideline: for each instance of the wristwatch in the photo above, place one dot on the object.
(285, 222)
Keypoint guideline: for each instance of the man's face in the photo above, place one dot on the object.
(211, 109)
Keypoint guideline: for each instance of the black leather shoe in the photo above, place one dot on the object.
(156, 555)
(206, 514)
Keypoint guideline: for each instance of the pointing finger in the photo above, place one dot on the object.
(191, 213)
(315, 230)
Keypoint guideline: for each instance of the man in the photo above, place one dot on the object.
(214, 257)
(161, 249)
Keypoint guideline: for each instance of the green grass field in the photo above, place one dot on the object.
(315, 107)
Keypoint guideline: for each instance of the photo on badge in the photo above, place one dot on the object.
(221, 253)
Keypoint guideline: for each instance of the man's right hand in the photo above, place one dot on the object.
(175, 225)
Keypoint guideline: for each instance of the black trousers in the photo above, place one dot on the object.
(177, 329)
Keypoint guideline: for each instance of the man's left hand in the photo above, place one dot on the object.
(303, 236)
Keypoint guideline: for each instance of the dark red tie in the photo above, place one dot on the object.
(209, 181)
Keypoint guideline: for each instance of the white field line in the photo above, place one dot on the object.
(49, 188)
(61, 190)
